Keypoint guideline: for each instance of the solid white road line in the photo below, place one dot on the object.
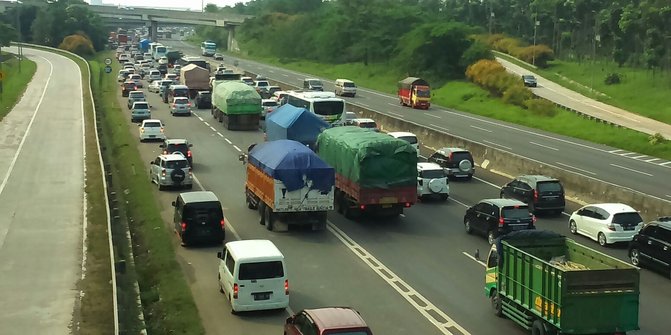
(544, 146)
(627, 154)
(575, 168)
(473, 258)
(630, 169)
(480, 128)
(498, 145)
(212, 128)
(652, 160)
(665, 164)
(639, 157)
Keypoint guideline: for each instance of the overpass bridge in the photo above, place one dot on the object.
(152, 17)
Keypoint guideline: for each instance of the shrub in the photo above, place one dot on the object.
(467, 96)
(541, 107)
(612, 79)
(506, 45)
(539, 55)
(516, 95)
(657, 138)
(491, 75)
(78, 44)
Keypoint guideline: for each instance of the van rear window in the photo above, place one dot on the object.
(551, 186)
(515, 213)
(261, 270)
(627, 219)
(409, 139)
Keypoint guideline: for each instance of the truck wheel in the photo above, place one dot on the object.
(269, 218)
(496, 304)
(262, 209)
(537, 328)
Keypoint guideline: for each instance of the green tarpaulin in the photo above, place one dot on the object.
(371, 159)
(233, 97)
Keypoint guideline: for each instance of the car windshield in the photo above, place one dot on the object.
(460, 156)
(261, 270)
(410, 139)
(517, 212)
(181, 147)
(177, 164)
(262, 83)
(367, 125)
(424, 93)
(627, 219)
(136, 95)
(182, 101)
(551, 186)
(329, 107)
(141, 105)
(152, 124)
(180, 92)
(348, 84)
(269, 104)
(432, 174)
(166, 83)
(316, 83)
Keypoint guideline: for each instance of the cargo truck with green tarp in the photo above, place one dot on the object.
(375, 172)
(550, 284)
(236, 105)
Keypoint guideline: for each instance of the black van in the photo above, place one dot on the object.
(199, 218)
(541, 193)
(175, 91)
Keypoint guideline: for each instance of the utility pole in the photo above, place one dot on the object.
(18, 27)
(533, 51)
(597, 38)
(491, 16)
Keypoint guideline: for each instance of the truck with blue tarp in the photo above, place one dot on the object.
(294, 123)
(289, 184)
(550, 284)
(143, 45)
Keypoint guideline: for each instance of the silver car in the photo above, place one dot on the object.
(180, 106)
(140, 111)
(171, 170)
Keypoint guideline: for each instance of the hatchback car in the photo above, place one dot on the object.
(365, 123)
(248, 80)
(495, 217)
(432, 182)
(180, 106)
(652, 246)
(140, 111)
(268, 105)
(170, 170)
(135, 96)
(154, 87)
(457, 162)
(606, 223)
(261, 86)
(178, 146)
(218, 56)
(541, 193)
(127, 87)
(327, 321)
(151, 129)
(137, 79)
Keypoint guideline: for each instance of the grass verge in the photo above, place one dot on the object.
(166, 298)
(468, 97)
(640, 91)
(96, 312)
(14, 83)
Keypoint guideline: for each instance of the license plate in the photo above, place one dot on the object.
(389, 200)
(152, 136)
(629, 228)
(386, 206)
(261, 296)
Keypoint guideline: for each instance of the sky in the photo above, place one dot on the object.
(193, 4)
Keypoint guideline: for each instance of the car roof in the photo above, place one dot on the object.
(451, 149)
(268, 100)
(173, 157)
(152, 120)
(401, 134)
(176, 141)
(136, 92)
(140, 102)
(198, 196)
(537, 178)
(344, 80)
(362, 120)
(310, 79)
(253, 249)
(504, 202)
(614, 208)
(428, 166)
(336, 317)
(179, 86)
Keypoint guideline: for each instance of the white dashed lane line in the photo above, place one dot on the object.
(434, 116)
(498, 145)
(575, 168)
(228, 141)
(207, 124)
(474, 259)
(438, 127)
(212, 128)
(544, 146)
(395, 114)
(630, 169)
(236, 148)
(220, 134)
(480, 128)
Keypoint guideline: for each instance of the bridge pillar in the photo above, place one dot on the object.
(231, 37)
(153, 31)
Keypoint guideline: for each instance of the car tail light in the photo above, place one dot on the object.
(501, 222)
(174, 105)
(451, 154)
(190, 171)
(611, 227)
(183, 226)
(535, 195)
(163, 172)
(533, 219)
(286, 287)
(407, 204)
(188, 153)
(222, 223)
(236, 289)
(161, 129)
(189, 104)
(362, 207)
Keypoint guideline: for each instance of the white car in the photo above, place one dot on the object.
(151, 129)
(268, 105)
(366, 124)
(171, 76)
(606, 223)
(154, 75)
(171, 170)
(123, 58)
(154, 87)
(162, 60)
(409, 137)
(432, 182)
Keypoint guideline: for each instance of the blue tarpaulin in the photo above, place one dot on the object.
(144, 44)
(293, 164)
(294, 123)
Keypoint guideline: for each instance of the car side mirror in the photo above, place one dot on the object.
(151, 163)
(151, 106)
(290, 320)
(174, 204)
(220, 255)
(190, 145)
(161, 145)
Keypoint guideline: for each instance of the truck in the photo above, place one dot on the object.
(122, 38)
(294, 123)
(236, 105)
(414, 92)
(375, 173)
(143, 45)
(289, 185)
(550, 284)
(173, 56)
(196, 78)
(221, 76)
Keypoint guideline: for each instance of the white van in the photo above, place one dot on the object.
(345, 87)
(410, 137)
(253, 276)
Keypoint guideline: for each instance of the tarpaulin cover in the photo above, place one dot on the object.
(144, 44)
(371, 159)
(294, 123)
(195, 77)
(293, 164)
(236, 97)
(408, 82)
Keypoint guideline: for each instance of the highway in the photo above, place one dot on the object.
(612, 165)
(413, 274)
(42, 201)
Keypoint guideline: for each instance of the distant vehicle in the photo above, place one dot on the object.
(529, 80)
(171, 171)
(218, 56)
(124, 58)
(496, 217)
(313, 84)
(154, 75)
(269, 105)
(180, 106)
(541, 193)
(198, 61)
(203, 100)
(272, 89)
(135, 96)
(606, 223)
(151, 129)
(248, 80)
(208, 48)
(414, 92)
(126, 87)
(163, 60)
(365, 124)
(178, 146)
(345, 87)
(171, 76)
(349, 116)
(199, 217)
(137, 79)
(261, 86)
(123, 74)
(325, 104)
(140, 111)
(409, 137)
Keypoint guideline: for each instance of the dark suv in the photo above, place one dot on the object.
(127, 87)
(541, 193)
(457, 162)
(182, 146)
(652, 245)
(496, 217)
(198, 217)
(203, 100)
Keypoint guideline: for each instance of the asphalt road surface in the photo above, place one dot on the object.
(628, 169)
(413, 274)
(42, 200)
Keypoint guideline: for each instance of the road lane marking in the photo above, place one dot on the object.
(498, 145)
(207, 124)
(419, 302)
(271, 71)
(439, 127)
(668, 195)
(575, 168)
(284, 74)
(236, 148)
(395, 114)
(630, 169)
(486, 182)
(665, 164)
(544, 146)
(627, 154)
(652, 160)
(615, 151)
(199, 118)
(212, 128)
(431, 115)
(220, 134)
(480, 128)
(639, 157)
(364, 105)
(228, 141)
(473, 258)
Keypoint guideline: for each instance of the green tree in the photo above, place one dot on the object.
(7, 34)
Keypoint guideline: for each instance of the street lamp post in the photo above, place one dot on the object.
(18, 27)
(533, 51)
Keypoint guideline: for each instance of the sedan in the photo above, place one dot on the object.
(155, 86)
(218, 56)
(606, 223)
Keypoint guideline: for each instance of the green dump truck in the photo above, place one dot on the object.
(551, 285)
(237, 105)
(375, 172)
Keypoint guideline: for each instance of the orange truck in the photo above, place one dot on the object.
(414, 92)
